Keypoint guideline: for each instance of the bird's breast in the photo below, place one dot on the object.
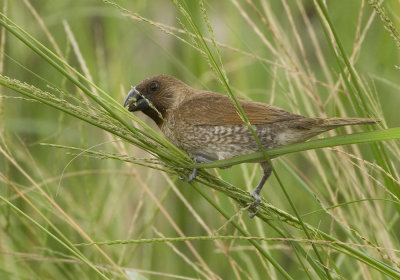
(222, 141)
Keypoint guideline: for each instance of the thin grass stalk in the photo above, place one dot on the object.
(356, 95)
(149, 163)
(245, 199)
(139, 241)
(265, 253)
(224, 80)
(217, 68)
(356, 254)
(348, 139)
(303, 226)
(268, 212)
(177, 154)
(388, 24)
(71, 222)
(69, 247)
(67, 108)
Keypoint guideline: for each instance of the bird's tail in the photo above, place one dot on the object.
(310, 127)
(335, 122)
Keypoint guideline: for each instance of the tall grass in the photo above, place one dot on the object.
(100, 195)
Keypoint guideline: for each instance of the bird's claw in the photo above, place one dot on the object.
(257, 199)
(252, 214)
(254, 204)
(191, 177)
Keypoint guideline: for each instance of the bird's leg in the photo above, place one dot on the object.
(191, 176)
(197, 159)
(267, 170)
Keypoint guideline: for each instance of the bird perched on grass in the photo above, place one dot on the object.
(208, 127)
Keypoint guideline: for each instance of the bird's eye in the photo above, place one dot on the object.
(154, 86)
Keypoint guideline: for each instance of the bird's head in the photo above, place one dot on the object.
(156, 96)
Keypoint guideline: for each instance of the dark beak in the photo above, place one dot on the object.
(135, 101)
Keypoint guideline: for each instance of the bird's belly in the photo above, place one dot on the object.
(222, 142)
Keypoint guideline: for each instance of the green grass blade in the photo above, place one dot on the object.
(356, 138)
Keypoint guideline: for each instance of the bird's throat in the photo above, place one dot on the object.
(157, 116)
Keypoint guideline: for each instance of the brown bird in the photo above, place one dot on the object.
(208, 127)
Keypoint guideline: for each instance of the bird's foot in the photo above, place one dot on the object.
(191, 176)
(197, 159)
(256, 193)
(253, 206)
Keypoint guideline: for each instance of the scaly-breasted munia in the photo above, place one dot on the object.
(208, 127)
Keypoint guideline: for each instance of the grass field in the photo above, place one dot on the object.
(91, 191)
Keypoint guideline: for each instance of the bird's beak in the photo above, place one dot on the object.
(135, 101)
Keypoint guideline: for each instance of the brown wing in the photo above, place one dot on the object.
(209, 108)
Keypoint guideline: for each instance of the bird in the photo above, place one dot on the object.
(208, 127)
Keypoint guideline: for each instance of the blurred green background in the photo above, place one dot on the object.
(109, 198)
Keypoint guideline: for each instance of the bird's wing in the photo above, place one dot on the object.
(209, 108)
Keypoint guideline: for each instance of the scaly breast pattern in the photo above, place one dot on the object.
(221, 142)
